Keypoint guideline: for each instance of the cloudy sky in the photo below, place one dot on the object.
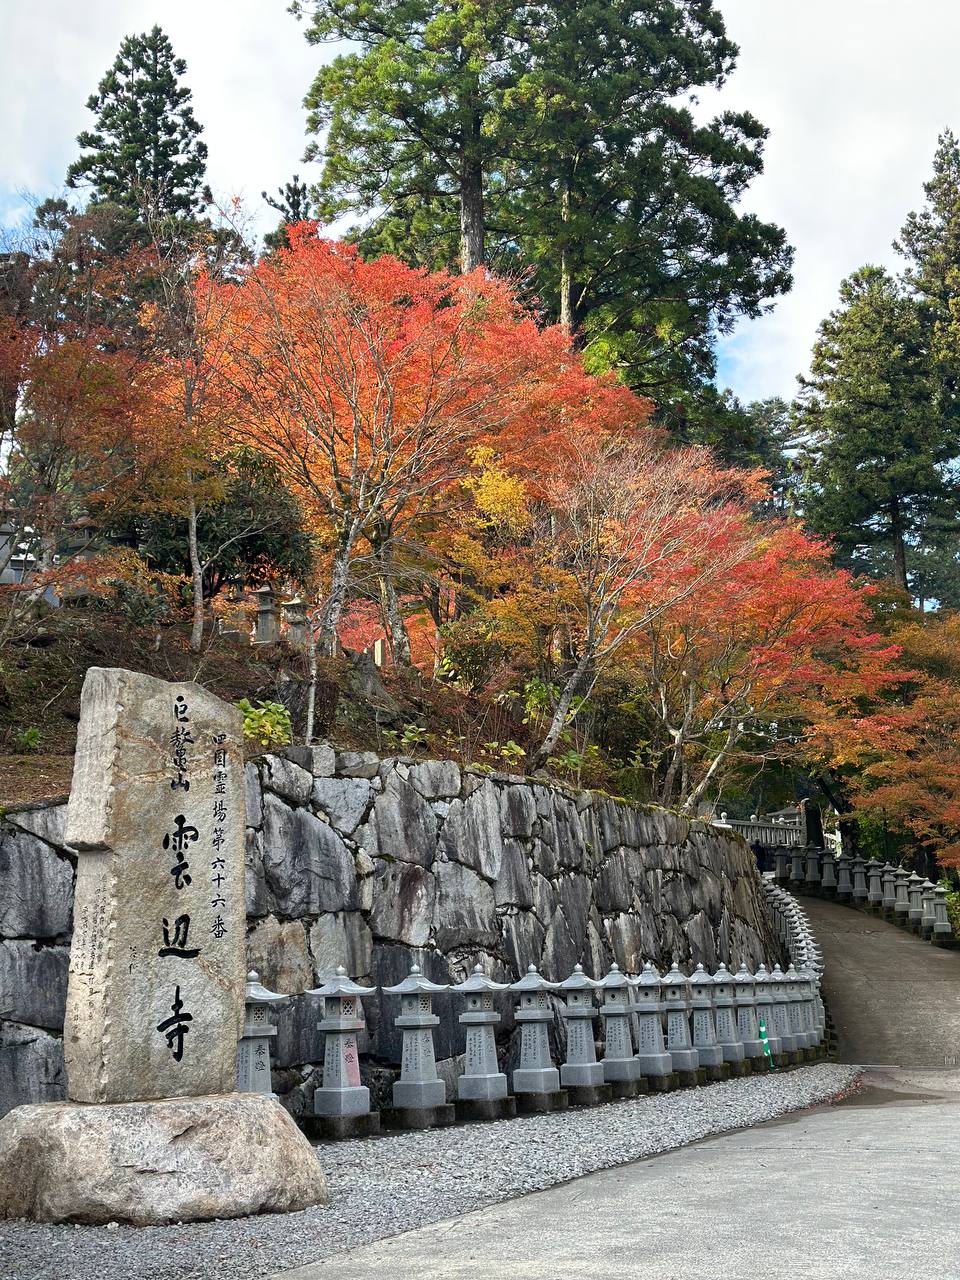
(853, 91)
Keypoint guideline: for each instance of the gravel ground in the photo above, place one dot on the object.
(384, 1186)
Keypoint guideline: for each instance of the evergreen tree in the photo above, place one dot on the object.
(555, 136)
(292, 202)
(882, 465)
(146, 144)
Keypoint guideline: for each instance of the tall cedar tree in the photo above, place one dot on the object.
(557, 136)
(882, 463)
(146, 141)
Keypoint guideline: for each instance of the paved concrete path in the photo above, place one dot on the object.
(893, 998)
(838, 1193)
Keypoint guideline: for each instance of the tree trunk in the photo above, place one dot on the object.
(390, 609)
(312, 685)
(196, 575)
(899, 548)
(569, 692)
(568, 300)
(393, 615)
(472, 227)
(333, 608)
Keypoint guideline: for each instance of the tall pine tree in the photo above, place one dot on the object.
(558, 137)
(145, 147)
(882, 465)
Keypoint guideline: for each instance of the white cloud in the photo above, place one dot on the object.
(248, 65)
(854, 92)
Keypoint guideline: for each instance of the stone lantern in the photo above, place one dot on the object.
(482, 1089)
(901, 905)
(745, 1002)
(915, 900)
(858, 871)
(253, 1051)
(780, 1013)
(621, 1067)
(708, 1050)
(844, 883)
(763, 986)
(928, 897)
(581, 1074)
(808, 1006)
(781, 861)
(889, 894)
(676, 1002)
(794, 986)
(295, 626)
(267, 630)
(796, 864)
(874, 872)
(725, 1020)
(342, 1104)
(419, 1096)
(942, 928)
(812, 874)
(655, 1063)
(828, 877)
(536, 1082)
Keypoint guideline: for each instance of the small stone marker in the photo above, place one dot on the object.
(482, 1089)
(704, 1028)
(419, 1096)
(763, 987)
(676, 1001)
(725, 1020)
(253, 1052)
(536, 1081)
(621, 1067)
(342, 1104)
(655, 1063)
(581, 1074)
(748, 1018)
(156, 814)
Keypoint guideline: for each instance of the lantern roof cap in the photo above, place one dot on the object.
(256, 993)
(723, 974)
(615, 979)
(700, 977)
(649, 976)
(416, 984)
(675, 978)
(479, 982)
(578, 981)
(533, 980)
(743, 974)
(340, 985)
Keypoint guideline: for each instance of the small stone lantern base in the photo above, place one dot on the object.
(334, 1128)
(444, 1113)
(538, 1104)
(476, 1109)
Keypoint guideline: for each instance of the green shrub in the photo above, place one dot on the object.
(267, 723)
(28, 739)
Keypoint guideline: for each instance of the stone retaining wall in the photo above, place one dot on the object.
(375, 863)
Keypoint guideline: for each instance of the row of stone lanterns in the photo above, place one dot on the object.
(903, 896)
(660, 1032)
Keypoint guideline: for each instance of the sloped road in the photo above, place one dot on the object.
(894, 999)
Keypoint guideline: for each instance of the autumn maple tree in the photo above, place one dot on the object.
(367, 385)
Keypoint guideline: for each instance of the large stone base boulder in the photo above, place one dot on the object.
(149, 1163)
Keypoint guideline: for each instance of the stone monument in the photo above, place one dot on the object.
(154, 1130)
